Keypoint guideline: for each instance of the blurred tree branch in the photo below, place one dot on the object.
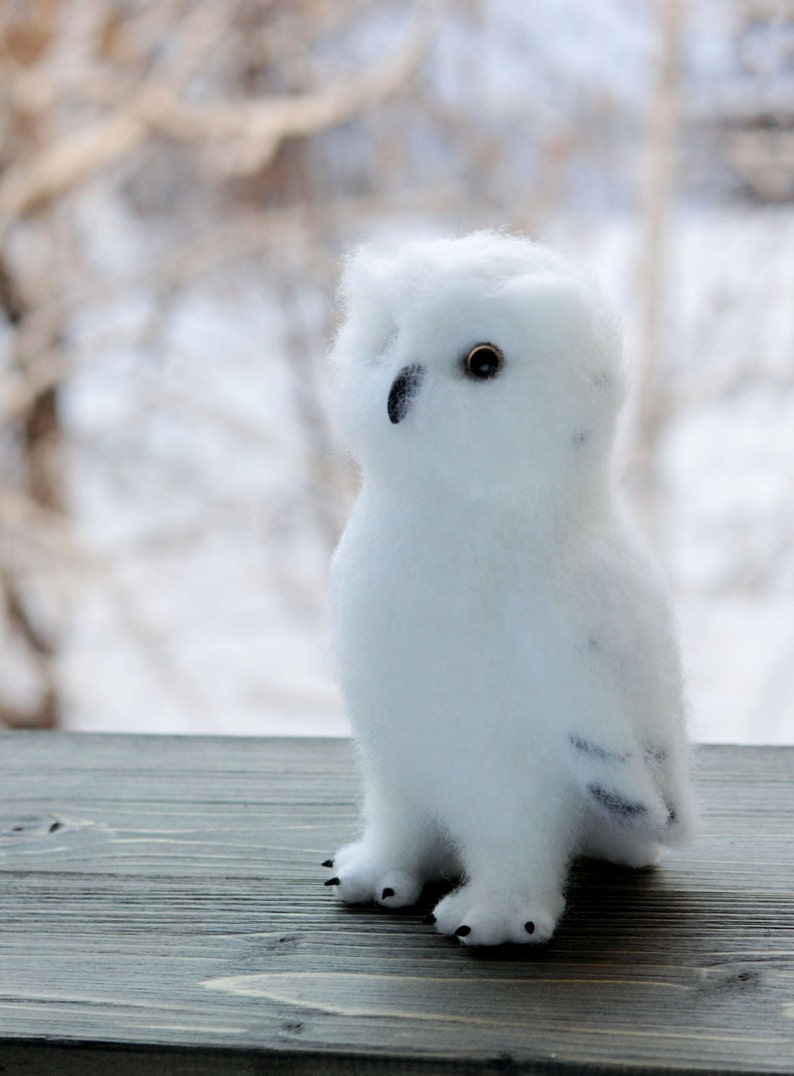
(247, 133)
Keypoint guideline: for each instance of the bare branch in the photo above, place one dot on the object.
(251, 130)
(55, 170)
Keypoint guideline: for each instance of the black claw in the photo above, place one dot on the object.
(387, 892)
(529, 927)
(429, 919)
(328, 863)
(463, 931)
(332, 881)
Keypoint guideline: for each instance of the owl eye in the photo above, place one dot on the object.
(483, 362)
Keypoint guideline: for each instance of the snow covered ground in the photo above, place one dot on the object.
(206, 608)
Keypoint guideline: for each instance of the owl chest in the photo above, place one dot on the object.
(430, 591)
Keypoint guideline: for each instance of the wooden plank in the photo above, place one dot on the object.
(162, 897)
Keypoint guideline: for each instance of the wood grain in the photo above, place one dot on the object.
(161, 910)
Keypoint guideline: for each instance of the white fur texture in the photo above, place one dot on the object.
(504, 646)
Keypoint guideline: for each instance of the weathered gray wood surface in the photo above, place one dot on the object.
(161, 910)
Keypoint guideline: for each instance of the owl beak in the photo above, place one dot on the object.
(403, 391)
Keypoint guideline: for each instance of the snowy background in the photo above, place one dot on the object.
(170, 491)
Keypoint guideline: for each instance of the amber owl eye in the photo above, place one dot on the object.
(483, 362)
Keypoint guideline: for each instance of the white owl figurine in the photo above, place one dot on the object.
(504, 645)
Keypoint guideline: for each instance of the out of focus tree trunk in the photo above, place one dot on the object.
(37, 479)
(33, 431)
(659, 184)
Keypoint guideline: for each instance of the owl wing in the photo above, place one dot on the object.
(626, 784)
(625, 730)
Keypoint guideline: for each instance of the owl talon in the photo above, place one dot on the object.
(333, 881)
(327, 863)
(463, 931)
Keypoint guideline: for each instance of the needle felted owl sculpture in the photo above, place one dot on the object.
(505, 648)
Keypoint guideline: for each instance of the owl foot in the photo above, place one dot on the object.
(360, 877)
(617, 845)
(480, 916)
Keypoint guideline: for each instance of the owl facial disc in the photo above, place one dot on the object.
(404, 389)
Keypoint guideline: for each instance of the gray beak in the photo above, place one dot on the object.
(404, 389)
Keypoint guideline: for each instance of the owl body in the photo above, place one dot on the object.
(505, 650)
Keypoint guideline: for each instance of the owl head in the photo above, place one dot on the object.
(484, 363)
